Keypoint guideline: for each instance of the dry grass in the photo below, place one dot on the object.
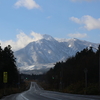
(13, 90)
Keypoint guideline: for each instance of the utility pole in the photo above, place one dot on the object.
(85, 71)
(61, 78)
(60, 81)
(19, 79)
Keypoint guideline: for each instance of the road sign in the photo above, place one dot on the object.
(5, 77)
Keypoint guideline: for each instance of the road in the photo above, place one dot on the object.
(37, 93)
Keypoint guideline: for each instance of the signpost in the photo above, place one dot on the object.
(5, 79)
(5, 76)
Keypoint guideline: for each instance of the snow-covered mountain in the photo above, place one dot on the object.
(44, 52)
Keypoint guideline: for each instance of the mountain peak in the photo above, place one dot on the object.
(73, 39)
(47, 37)
(66, 40)
(41, 36)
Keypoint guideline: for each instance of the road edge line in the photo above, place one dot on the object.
(24, 97)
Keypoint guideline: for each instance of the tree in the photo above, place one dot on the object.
(1, 67)
(8, 64)
(72, 71)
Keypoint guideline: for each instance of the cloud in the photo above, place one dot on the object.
(89, 22)
(81, 0)
(29, 4)
(77, 35)
(36, 36)
(49, 17)
(21, 40)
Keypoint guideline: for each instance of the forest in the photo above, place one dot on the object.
(78, 74)
(10, 81)
(8, 65)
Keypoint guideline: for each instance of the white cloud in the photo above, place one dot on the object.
(36, 36)
(49, 17)
(77, 35)
(76, 20)
(22, 40)
(89, 22)
(29, 4)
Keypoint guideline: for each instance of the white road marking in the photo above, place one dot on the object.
(24, 97)
(49, 97)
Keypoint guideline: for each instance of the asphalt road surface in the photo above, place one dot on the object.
(37, 93)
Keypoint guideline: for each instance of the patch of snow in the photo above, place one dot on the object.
(70, 45)
(49, 51)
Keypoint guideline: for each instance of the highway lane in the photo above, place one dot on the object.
(10, 97)
(37, 93)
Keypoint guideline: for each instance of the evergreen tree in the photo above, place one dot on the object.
(1, 67)
(72, 70)
(8, 64)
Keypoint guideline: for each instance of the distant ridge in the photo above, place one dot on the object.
(43, 53)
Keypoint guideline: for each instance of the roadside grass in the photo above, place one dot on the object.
(76, 88)
(43, 85)
(79, 88)
(14, 90)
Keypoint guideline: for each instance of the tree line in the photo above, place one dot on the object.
(8, 64)
(66, 76)
(69, 76)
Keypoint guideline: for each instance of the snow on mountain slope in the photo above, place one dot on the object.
(45, 51)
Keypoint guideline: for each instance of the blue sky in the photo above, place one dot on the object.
(21, 20)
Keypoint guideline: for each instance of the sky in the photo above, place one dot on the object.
(22, 21)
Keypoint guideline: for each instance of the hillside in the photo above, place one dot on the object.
(44, 52)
